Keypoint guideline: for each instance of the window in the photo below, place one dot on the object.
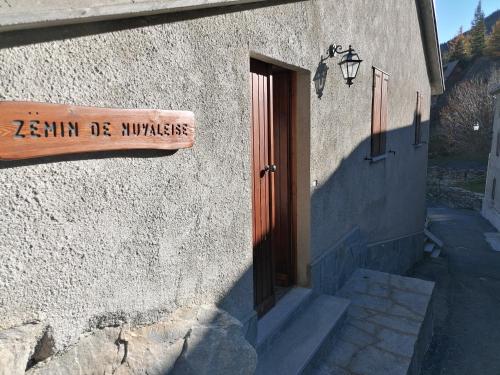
(418, 120)
(379, 112)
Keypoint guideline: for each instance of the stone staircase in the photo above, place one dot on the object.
(292, 333)
(388, 327)
(377, 323)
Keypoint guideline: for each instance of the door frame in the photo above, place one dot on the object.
(299, 166)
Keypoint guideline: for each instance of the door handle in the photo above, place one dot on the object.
(271, 168)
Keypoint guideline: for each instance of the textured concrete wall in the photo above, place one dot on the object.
(89, 240)
(491, 207)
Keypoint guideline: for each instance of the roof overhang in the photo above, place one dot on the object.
(46, 13)
(51, 13)
(427, 15)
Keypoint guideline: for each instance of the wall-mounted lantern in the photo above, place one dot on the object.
(349, 62)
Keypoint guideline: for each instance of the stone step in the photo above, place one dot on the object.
(429, 247)
(436, 253)
(427, 222)
(290, 351)
(433, 238)
(387, 330)
(273, 323)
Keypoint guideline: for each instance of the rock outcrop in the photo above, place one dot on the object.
(198, 340)
(17, 346)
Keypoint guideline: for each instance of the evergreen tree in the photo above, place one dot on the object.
(457, 47)
(478, 32)
(493, 42)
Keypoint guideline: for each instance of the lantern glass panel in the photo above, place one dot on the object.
(354, 68)
(343, 66)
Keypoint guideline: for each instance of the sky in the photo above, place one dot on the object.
(451, 14)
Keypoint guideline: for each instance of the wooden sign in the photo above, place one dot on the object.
(29, 130)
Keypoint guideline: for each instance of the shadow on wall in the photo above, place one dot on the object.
(359, 195)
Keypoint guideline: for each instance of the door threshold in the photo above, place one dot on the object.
(280, 292)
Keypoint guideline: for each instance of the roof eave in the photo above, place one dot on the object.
(427, 15)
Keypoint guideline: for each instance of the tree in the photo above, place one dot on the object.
(478, 32)
(493, 42)
(469, 104)
(457, 47)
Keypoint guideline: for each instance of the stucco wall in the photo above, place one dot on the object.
(491, 207)
(86, 240)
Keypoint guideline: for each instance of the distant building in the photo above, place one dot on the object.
(491, 204)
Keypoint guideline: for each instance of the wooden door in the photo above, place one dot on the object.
(281, 180)
(271, 117)
(263, 267)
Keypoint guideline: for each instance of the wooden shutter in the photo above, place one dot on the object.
(383, 113)
(376, 100)
(379, 112)
(418, 119)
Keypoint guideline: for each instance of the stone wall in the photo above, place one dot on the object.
(444, 185)
(191, 341)
(454, 176)
(333, 269)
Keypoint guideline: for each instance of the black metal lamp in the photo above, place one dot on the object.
(349, 64)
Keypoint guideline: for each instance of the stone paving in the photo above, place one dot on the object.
(387, 330)
(466, 305)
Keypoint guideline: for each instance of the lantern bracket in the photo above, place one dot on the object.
(336, 49)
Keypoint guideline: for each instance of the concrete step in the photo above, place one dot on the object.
(433, 238)
(427, 222)
(387, 330)
(290, 351)
(435, 253)
(429, 247)
(494, 240)
(273, 323)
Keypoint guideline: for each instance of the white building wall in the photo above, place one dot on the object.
(491, 204)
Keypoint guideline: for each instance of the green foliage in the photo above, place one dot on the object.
(458, 47)
(493, 42)
(478, 32)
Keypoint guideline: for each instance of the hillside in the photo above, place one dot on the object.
(466, 104)
(489, 21)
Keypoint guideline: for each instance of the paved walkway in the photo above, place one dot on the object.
(467, 296)
(384, 327)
